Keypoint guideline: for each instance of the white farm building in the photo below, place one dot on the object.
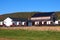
(38, 19)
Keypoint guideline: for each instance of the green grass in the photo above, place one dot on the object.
(30, 35)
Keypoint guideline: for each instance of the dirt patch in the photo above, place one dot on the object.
(42, 28)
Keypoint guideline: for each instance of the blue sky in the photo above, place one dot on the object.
(10, 6)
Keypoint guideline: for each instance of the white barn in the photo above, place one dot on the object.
(8, 21)
(14, 21)
(43, 18)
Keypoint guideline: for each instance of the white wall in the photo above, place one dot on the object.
(40, 18)
(48, 22)
(43, 22)
(1, 23)
(36, 22)
(56, 22)
(18, 23)
(8, 21)
(23, 23)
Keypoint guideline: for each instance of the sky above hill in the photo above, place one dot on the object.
(10, 6)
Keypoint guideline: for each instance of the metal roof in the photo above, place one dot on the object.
(43, 14)
(18, 19)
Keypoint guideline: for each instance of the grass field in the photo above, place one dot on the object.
(28, 35)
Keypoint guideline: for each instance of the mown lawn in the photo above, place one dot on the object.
(29, 35)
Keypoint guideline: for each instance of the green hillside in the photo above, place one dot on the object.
(58, 15)
(18, 15)
(23, 15)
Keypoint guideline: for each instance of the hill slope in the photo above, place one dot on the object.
(17, 15)
(23, 15)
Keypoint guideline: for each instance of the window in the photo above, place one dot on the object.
(36, 22)
(56, 22)
(23, 23)
(48, 22)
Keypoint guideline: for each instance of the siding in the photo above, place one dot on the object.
(40, 18)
